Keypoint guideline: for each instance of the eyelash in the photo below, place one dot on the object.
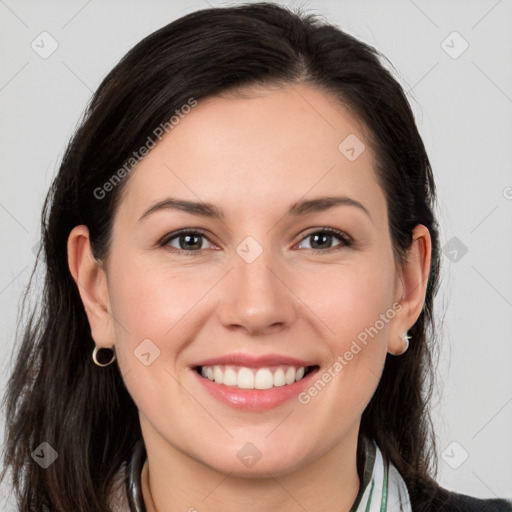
(343, 237)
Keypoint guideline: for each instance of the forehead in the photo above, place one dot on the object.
(257, 149)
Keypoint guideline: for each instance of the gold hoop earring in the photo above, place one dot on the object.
(106, 362)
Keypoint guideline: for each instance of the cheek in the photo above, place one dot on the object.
(152, 311)
(356, 305)
(155, 311)
(150, 302)
(352, 298)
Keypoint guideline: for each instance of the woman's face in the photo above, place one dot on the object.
(262, 290)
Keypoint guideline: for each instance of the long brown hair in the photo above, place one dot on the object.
(56, 394)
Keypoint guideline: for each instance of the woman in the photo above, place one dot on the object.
(254, 369)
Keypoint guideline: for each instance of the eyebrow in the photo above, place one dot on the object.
(211, 211)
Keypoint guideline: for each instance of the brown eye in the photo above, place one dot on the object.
(185, 241)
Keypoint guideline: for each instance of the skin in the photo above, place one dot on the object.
(252, 155)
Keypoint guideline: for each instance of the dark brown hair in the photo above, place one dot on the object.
(56, 394)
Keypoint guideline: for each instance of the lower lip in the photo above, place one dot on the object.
(255, 399)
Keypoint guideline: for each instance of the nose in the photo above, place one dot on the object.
(258, 297)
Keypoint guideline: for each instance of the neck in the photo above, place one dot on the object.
(172, 482)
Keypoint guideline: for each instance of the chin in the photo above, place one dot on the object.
(249, 461)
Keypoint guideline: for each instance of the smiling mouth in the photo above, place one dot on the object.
(243, 377)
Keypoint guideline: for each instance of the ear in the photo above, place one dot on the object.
(91, 280)
(413, 279)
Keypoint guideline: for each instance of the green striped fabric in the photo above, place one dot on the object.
(382, 488)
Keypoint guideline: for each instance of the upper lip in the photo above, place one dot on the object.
(252, 361)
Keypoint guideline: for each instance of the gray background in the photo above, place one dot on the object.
(463, 104)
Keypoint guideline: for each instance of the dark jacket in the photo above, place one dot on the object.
(442, 500)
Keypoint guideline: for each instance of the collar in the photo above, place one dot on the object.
(383, 488)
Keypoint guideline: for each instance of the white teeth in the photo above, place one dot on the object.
(245, 378)
(230, 377)
(263, 379)
(279, 378)
(217, 374)
(289, 376)
(252, 378)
